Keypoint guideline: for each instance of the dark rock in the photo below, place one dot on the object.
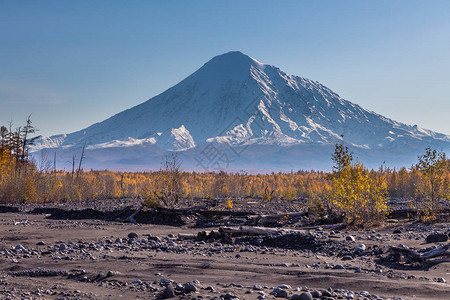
(436, 238)
(350, 238)
(361, 248)
(168, 292)
(316, 294)
(338, 267)
(229, 296)
(285, 287)
(132, 235)
(189, 288)
(280, 293)
(397, 231)
(111, 273)
(302, 296)
(209, 288)
(19, 247)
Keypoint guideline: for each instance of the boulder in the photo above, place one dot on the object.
(168, 292)
(437, 237)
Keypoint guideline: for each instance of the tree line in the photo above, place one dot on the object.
(350, 189)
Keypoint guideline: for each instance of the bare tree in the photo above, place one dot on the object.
(25, 139)
(169, 186)
(81, 160)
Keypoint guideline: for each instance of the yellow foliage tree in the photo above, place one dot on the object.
(360, 197)
(436, 187)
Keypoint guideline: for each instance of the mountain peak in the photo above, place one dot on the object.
(233, 60)
(233, 56)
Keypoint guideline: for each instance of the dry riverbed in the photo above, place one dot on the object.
(41, 258)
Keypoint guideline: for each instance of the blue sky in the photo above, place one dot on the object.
(73, 63)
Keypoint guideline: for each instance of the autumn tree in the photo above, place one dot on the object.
(358, 195)
(168, 188)
(433, 166)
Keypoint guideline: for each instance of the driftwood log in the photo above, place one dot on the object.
(187, 236)
(412, 256)
(273, 219)
(245, 230)
(412, 213)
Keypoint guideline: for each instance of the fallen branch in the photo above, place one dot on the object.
(131, 218)
(22, 222)
(331, 226)
(412, 255)
(273, 219)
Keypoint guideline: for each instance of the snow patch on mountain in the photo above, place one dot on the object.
(44, 142)
(127, 143)
(177, 139)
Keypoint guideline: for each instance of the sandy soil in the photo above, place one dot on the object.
(95, 259)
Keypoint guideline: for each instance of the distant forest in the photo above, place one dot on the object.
(25, 180)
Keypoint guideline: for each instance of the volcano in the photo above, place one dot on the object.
(237, 113)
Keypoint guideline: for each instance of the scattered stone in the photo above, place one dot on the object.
(132, 235)
(350, 238)
(437, 237)
(168, 292)
(285, 286)
(364, 294)
(280, 293)
(338, 267)
(302, 296)
(360, 248)
(327, 293)
(19, 247)
(230, 296)
(316, 294)
(190, 288)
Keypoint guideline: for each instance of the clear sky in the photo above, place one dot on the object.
(73, 63)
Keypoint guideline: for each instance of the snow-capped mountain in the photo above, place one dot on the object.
(262, 117)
